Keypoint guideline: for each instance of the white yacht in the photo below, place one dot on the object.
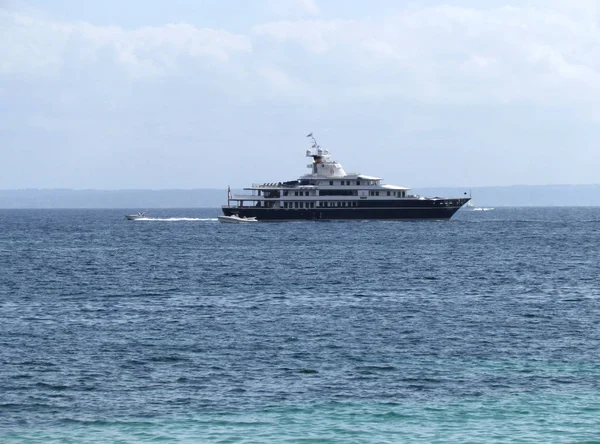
(329, 193)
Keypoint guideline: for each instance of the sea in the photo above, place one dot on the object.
(176, 328)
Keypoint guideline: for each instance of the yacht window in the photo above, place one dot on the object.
(358, 182)
(295, 204)
(331, 182)
(376, 193)
(306, 193)
(388, 193)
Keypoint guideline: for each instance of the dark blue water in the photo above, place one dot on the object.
(181, 329)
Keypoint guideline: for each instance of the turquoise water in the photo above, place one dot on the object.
(566, 417)
(481, 329)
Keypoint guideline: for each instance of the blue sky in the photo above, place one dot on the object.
(205, 94)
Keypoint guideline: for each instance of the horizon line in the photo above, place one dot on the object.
(225, 188)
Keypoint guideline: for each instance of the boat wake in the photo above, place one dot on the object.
(178, 219)
(481, 209)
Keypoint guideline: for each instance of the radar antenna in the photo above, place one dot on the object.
(315, 144)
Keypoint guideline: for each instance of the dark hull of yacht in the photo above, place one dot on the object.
(436, 209)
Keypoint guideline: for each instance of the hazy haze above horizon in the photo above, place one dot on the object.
(210, 93)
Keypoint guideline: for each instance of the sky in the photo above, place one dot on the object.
(148, 94)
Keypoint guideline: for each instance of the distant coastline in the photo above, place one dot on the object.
(507, 196)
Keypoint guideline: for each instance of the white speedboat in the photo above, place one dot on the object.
(470, 207)
(135, 216)
(235, 219)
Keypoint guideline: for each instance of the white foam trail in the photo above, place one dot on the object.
(178, 219)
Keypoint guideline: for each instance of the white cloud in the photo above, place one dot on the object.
(35, 46)
(314, 35)
(535, 52)
(538, 51)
